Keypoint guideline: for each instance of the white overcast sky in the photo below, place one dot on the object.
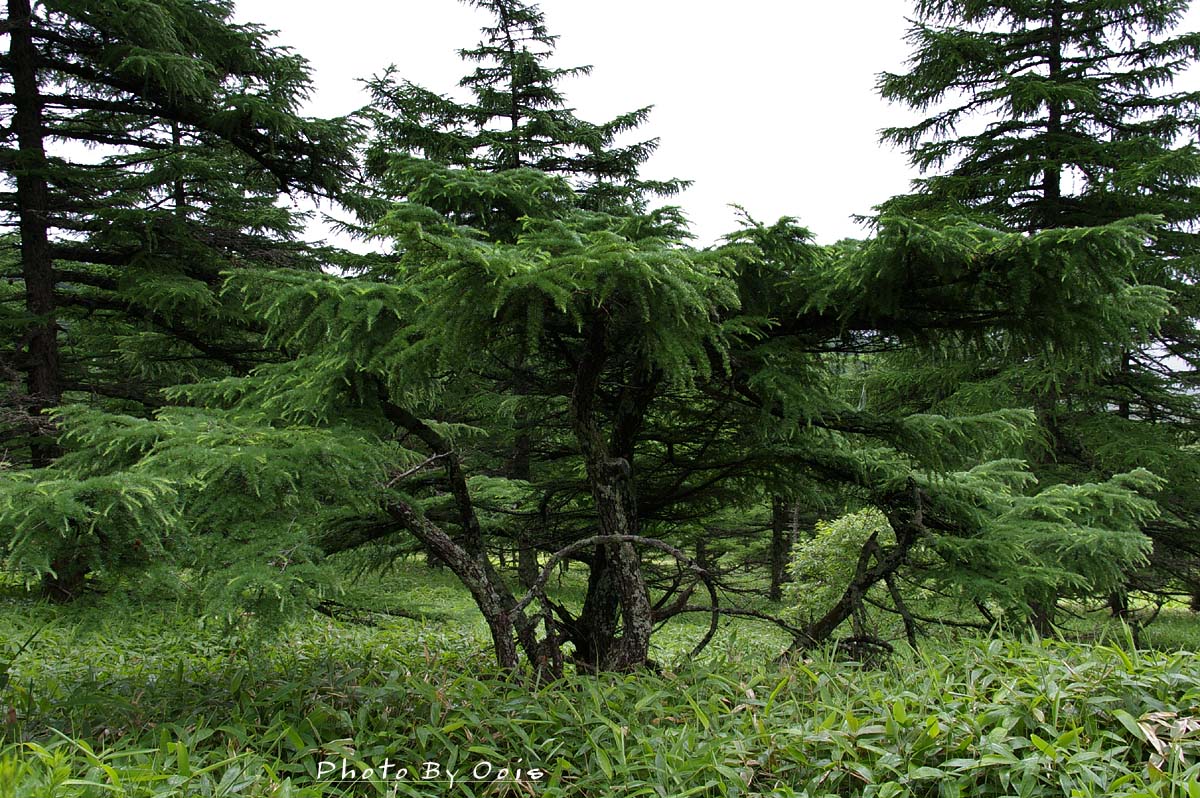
(762, 103)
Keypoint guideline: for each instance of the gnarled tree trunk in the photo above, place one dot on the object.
(616, 583)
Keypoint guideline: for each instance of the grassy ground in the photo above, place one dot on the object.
(117, 699)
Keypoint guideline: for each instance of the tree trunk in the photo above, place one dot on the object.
(33, 203)
(1118, 603)
(615, 587)
(37, 269)
(1041, 617)
(179, 191)
(781, 546)
(518, 467)
(527, 559)
(67, 581)
(594, 632)
(466, 557)
(609, 469)
(492, 602)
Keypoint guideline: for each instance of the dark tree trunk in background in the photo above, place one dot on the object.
(527, 559)
(37, 270)
(179, 191)
(1041, 617)
(1118, 603)
(781, 545)
(527, 553)
(67, 583)
(1051, 212)
(1042, 612)
(33, 204)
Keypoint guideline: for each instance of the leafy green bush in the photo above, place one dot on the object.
(822, 565)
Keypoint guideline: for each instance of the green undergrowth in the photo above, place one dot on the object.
(155, 701)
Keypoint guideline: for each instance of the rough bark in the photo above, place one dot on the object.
(690, 565)
(617, 568)
(33, 211)
(491, 601)
(594, 632)
(467, 556)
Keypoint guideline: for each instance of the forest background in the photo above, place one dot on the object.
(980, 418)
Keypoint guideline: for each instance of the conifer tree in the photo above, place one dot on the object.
(193, 131)
(517, 118)
(516, 286)
(639, 337)
(671, 386)
(1083, 128)
(166, 90)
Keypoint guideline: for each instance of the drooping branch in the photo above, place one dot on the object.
(738, 612)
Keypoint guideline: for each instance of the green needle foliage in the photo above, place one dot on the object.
(541, 362)
(1084, 127)
(627, 337)
(1057, 116)
(240, 504)
(146, 146)
(517, 118)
